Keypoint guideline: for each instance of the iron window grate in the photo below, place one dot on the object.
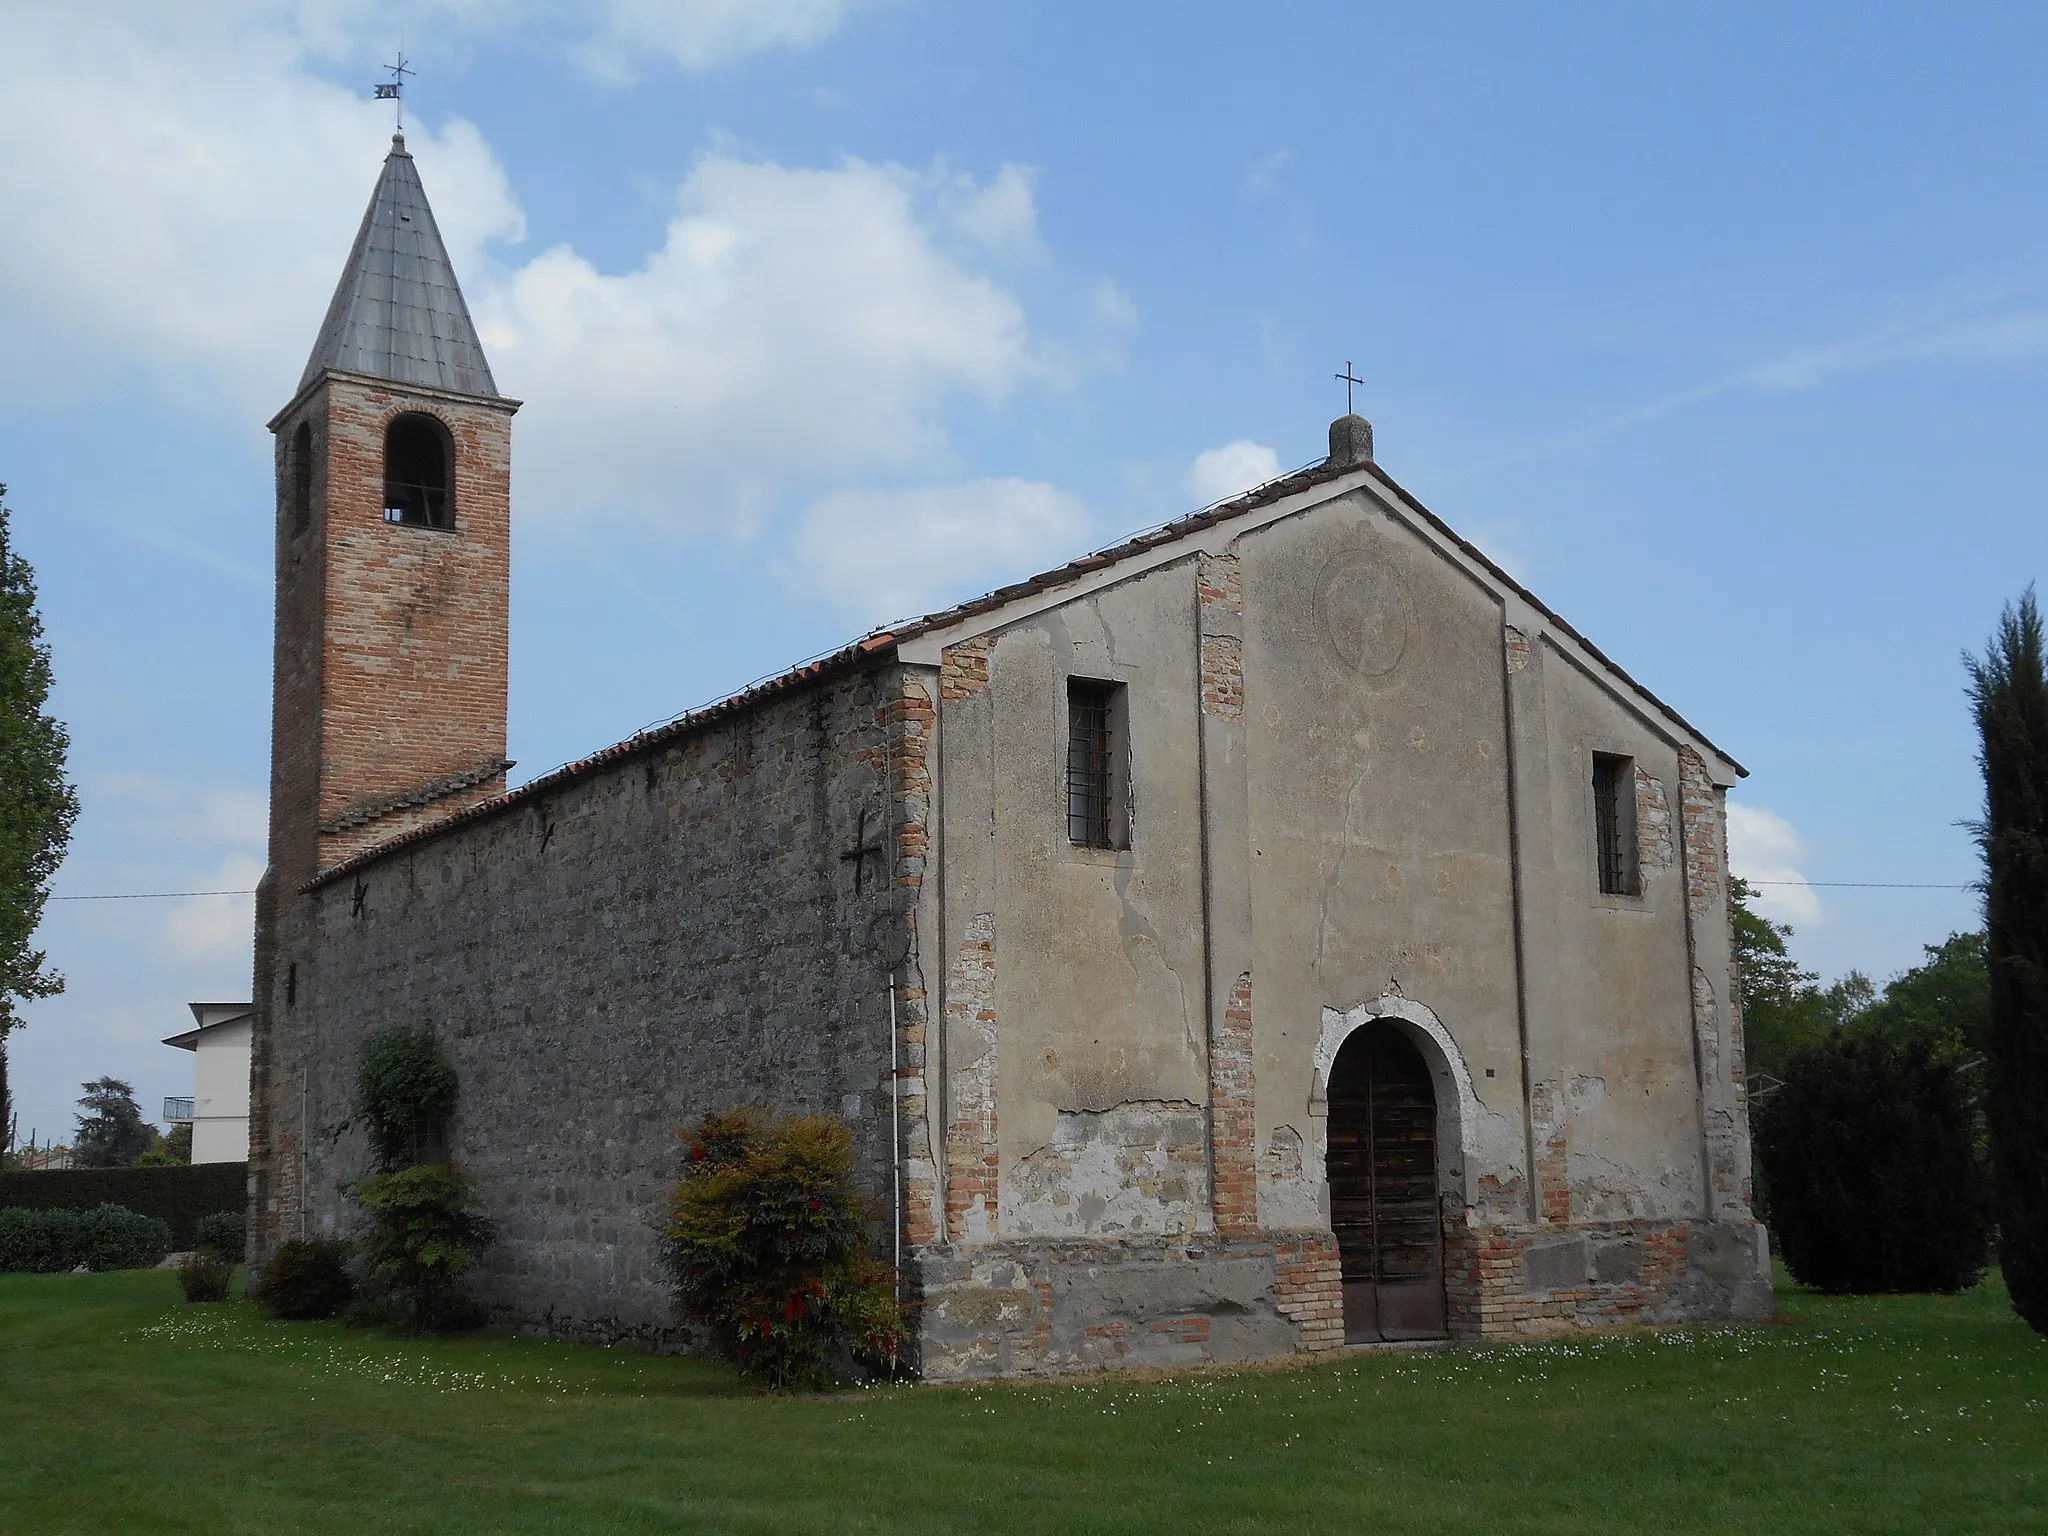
(1088, 765)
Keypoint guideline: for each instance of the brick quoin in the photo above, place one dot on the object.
(1310, 1289)
(972, 1157)
(963, 668)
(1234, 1133)
(906, 719)
(1704, 827)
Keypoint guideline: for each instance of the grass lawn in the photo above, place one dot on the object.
(123, 1410)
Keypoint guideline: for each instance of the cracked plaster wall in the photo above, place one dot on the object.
(1375, 692)
(1097, 981)
(1378, 823)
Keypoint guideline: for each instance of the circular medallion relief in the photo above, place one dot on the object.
(1363, 615)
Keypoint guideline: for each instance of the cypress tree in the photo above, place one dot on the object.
(37, 806)
(1876, 1180)
(2009, 691)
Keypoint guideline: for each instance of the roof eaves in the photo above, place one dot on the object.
(503, 403)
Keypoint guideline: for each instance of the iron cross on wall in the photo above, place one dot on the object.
(857, 856)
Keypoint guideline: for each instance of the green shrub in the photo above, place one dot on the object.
(424, 1234)
(38, 1242)
(1877, 1183)
(113, 1237)
(222, 1234)
(306, 1278)
(405, 1091)
(107, 1237)
(205, 1276)
(179, 1195)
(769, 1244)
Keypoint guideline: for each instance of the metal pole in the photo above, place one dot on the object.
(895, 1138)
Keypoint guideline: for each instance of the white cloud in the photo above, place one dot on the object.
(1218, 473)
(698, 34)
(796, 327)
(1002, 215)
(157, 217)
(881, 555)
(1498, 540)
(1264, 176)
(157, 811)
(1112, 307)
(1765, 848)
(211, 928)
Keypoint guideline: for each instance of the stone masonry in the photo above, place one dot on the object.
(604, 961)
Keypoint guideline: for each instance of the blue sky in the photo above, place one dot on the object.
(1725, 328)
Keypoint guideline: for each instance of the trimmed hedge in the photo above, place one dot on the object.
(52, 1242)
(179, 1196)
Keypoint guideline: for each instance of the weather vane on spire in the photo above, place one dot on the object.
(393, 90)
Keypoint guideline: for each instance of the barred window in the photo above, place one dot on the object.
(1095, 764)
(1614, 823)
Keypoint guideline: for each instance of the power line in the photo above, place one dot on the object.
(148, 895)
(1867, 885)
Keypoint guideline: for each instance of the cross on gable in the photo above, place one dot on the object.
(1349, 379)
(857, 855)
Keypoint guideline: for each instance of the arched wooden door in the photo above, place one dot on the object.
(1381, 1158)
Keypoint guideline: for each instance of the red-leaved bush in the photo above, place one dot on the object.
(770, 1246)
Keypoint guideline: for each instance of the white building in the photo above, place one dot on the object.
(218, 1110)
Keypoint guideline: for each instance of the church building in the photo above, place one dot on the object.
(1278, 931)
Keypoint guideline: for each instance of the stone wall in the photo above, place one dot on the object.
(703, 923)
(1502, 1282)
(1036, 1308)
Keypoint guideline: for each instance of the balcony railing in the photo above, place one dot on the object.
(177, 1111)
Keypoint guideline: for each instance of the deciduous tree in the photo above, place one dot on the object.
(1785, 1010)
(37, 806)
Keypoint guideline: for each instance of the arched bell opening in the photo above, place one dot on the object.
(419, 463)
(1381, 1161)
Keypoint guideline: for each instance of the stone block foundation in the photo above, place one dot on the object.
(1516, 1283)
(1040, 1307)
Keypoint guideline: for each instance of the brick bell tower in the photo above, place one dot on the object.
(393, 573)
(393, 553)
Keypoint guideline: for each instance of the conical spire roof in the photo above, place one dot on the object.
(398, 313)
